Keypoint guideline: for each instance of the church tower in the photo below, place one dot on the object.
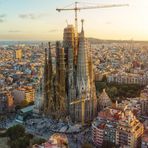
(68, 40)
(57, 77)
(92, 82)
(71, 90)
(68, 44)
(62, 90)
(84, 81)
(51, 105)
(45, 103)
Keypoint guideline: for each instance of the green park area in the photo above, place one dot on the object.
(119, 91)
(16, 137)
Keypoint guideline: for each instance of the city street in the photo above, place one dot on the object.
(44, 128)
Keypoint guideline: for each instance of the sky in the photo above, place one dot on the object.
(39, 20)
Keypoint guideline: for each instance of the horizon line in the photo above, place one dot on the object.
(15, 40)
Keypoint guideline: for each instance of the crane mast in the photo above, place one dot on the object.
(76, 18)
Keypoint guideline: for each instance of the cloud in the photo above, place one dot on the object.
(2, 18)
(2, 15)
(32, 16)
(14, 31)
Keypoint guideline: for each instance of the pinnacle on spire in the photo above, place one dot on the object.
(58, 44)
(46, 57)
(49, 45)
(45, 54)
(45, 50)
(49, 51)
(82, 21)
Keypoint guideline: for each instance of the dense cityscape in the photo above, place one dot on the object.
(77, 92)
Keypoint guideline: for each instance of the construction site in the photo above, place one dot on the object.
(69, 90)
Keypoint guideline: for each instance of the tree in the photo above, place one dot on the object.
(108, 144)
(18, 137)
(15, 132)
(29, 136)
(14, 144)
(38, 141)
(104, 78)
(87, 145)
(112, 92)
(100, 86)
(24, 103)
(22, 142)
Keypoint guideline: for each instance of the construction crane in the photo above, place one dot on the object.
(82, 101)
(77, 8)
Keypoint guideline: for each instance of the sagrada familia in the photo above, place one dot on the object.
(69, 88)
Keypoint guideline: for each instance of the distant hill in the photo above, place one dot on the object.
(97, 41)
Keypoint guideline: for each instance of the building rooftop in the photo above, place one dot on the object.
(27, 109)
(145, 136)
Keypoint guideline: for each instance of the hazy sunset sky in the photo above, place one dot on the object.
(39, 20)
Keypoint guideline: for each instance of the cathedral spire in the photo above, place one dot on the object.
(51, 105)
(82, 21)
(49, 61)
(45, 83)
(82, 30)
(82, 64)
(84, 81)
(62, 91)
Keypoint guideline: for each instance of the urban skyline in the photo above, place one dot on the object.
(75, 79)
(35, 20)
